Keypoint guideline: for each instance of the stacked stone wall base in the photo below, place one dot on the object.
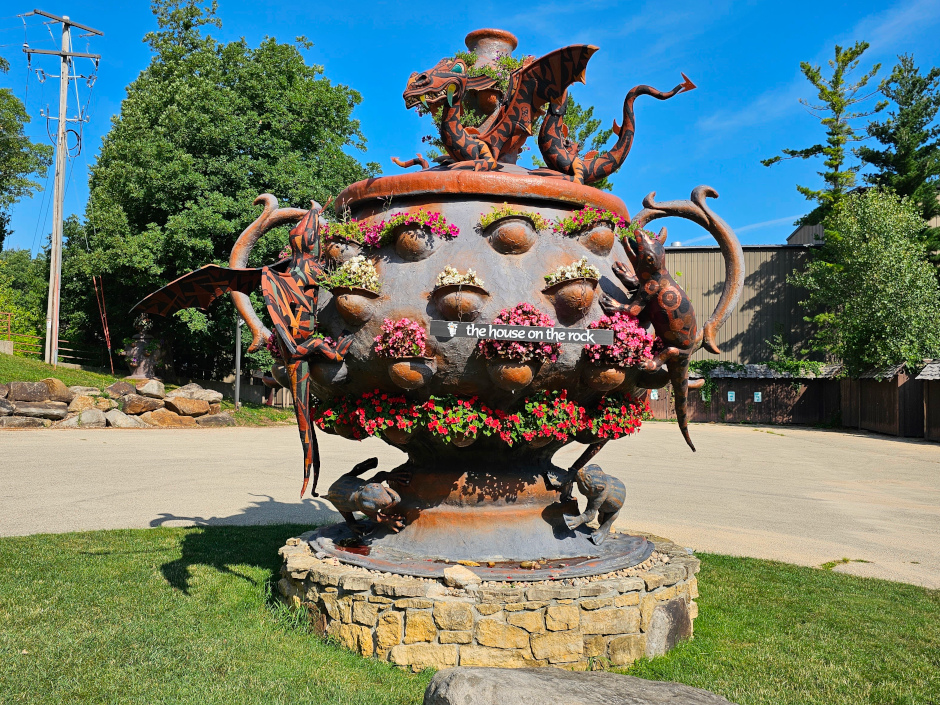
(417, 623)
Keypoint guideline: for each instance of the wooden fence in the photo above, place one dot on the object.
(34, 346)
(891, 406)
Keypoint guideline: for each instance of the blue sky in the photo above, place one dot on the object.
(744, 57)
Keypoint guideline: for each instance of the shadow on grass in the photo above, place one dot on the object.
(225, 548)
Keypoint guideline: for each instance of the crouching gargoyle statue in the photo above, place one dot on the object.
(350, 493)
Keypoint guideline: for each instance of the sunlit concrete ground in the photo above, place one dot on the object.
(792, 494)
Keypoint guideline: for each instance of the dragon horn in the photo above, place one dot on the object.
(616, 128)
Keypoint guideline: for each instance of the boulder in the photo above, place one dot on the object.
(22, 422)
(6, 407)
(106, 403)
(537, 686)
(79, 391)
(151, 388)
(4, 390)
(216, 420)
(185, 406)
(215, 408)
(119, 389)
(54, 410)
(82, 402)
(164, 418)
(118, 419)
(194, 391)
(136, 404)
(28, 391)
(57, 390)
(90, 418)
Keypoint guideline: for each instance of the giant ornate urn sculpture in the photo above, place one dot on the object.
(459, 312)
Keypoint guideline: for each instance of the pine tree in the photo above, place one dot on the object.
(909, 164)
(835, 110)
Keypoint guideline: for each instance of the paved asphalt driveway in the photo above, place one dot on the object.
(791, 494)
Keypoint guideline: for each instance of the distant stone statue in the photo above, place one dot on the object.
(605, 494)
(350, 493)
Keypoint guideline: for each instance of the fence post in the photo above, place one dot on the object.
(238, 360)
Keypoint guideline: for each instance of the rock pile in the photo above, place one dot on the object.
(122, 405)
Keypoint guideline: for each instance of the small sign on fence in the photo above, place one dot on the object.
(654, 394)
(758, 397)
(522, 334)
(730, 396)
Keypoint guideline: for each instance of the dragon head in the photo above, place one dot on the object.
(448, 81)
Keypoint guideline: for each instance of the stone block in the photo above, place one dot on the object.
(388, 633)
(671, 574)
(600, 588)
(53, 410)
(669, 623)
(631, 584)
(215, 409)
(23, 422)
(420, 656)
(79, 391)
(187, 407)
(487, 608)
(595, 645)
(402, 588)
(375, 599)
(454, 637)
(81, 403)
(502, 595)
(355, 638)
(6, 407)
(215, 420)
(558, 647)
(624, 650)
(419, 626)
(330, 604)
(654, 580)
(453, 615)
(532, 621)
(356, 582)
(613, 620)
(28, 391)
(479, 686)
(628, 599)
(57, 391)
(418, 603)
(136, 404)
(559, 618)
(365, 613)
(459, 576)
(4, 390)
(118, 419)
(596, 603)
(490, 632)
(552, 593)
(151, 388)
(693, 610)
(164, 418)
(90, 418)
(693, 588)
(119, 389)
(492, 658)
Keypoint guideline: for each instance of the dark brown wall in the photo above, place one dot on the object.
(766, 301)
(932, 409)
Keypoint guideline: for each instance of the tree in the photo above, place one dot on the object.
(909, 164)
(837, 99)
(584, 129)
(204, 129)
(20, 158)
(877, 295)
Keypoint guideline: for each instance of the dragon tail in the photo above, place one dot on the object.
(599, 166)
(679, 376)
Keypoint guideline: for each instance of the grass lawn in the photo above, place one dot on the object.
(186, 616)
(14, 368)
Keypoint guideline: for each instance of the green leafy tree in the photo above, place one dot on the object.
(836, 111)
(877, 295)
(909, 163)
(20, 159)
(204, 129)
(584, 129)
(24, 281)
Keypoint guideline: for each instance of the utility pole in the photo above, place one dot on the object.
(55, 264)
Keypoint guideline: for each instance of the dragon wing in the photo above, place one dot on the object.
(199, 289)
(542, 81)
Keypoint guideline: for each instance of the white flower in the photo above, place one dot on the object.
(575, 270)
(451, 276)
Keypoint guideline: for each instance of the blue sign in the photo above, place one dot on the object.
(730, 396)
(654, 394)
(757, 397)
